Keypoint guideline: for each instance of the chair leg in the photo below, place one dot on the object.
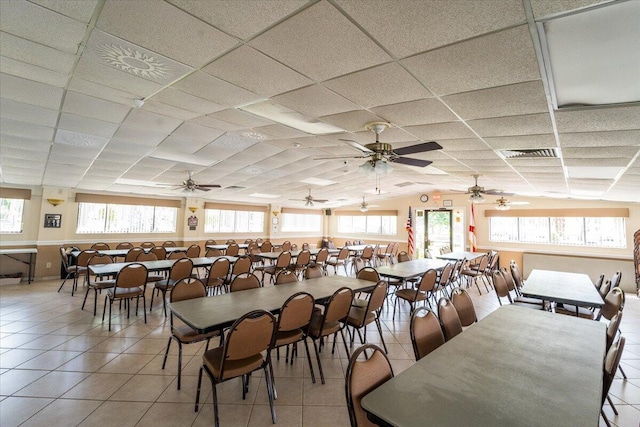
(315, 346)
(215, 402)
(84, 301)
(604, 417)
(273, 379)
(166, 353)
(179, 362)
(622, 372)
(346, 347)
(270, 392)
(198, 387)
(306, 346)
(613, 407)
(144, 308)
(153, 291)
(381, 337)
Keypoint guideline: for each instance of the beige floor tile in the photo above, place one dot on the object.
(148, 346)
(16, 326)
(117, 414)
(331, 393)
(47, 342)
(625, 391)
(16, 410)
(14, 357)
(289, 392)
(168, 414)
(114, 345)
(229, 415)
(50, 360)
(15, 379)
(126, 363)
(54, 384)
(88, 362)
(628, 416)
(63, 413)
(80, 343)
(97, 386)
(16, 340)
(290, 416)
(187, 393)
(142, 388)
(322, 416)
(154, 367)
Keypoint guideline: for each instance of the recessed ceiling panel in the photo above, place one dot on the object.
(87, 106)
(599, 119)
(27, 113)
(30, 92)
(33, 72)
(422, 112)
(527, 124)
(215, 90)
(87, 125)
(37, 54)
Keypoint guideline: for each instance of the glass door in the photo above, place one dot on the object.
(438, 230)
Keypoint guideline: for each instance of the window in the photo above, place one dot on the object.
(604, 232)
(116, 218)
(301, 222)
(367, 224)
(231, 221)
(11, 211)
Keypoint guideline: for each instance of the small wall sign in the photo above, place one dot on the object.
(52, 220)
(192, 222)
(447, 203)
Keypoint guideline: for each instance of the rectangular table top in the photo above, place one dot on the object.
(562, 287)
(459, 255)
(213, 313)
(123, 252)
(408, 269)
(516, 367)
(224, 246)
(159, 265)
(294, 254)
(18, 251)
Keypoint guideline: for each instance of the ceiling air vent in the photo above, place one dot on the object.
(235, 187)
(528, 154)
(404, 184)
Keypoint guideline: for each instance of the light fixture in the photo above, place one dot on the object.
(309, 203)
(502, 204)
(193, 209)
(55, 202)
(364, 206)
(476, 198)
(371, 167)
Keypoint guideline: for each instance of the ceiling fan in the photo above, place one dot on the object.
(190, 185)
(503, 204)
(364, 206)
(476, 193)
(380, 154)
(309, 200)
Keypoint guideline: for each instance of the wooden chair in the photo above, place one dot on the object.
(147, 245)
(473, 274)
(159, 251)
(124, 245)
(282, 263)
(210, 242)
(130, 283)
(70, 270)
(82, 262)
(363, 377)
(339, 260)
(132, 254)
(425, 331)
(233, 249)
(449, 319)
(314, 272)
(193, 251)
(177, 255)
(248, 339)
(302, 262)
(186, 289)
(613, 302)
(321, 259)
(212, 252)
(169, 244)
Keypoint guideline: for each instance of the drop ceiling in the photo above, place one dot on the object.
(469, 75)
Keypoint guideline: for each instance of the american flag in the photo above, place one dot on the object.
(409, 228)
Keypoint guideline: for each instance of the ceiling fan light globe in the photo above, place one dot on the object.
(476, 198)
(502, 207)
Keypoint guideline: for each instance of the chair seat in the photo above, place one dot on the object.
(410, 295)
(165, 284)
(288, 337)
(126, 292)
(155, 278)
(187, 335)
(102, 284)
(359, 302)
(357, 314)
(232, 368)
(472, 273)
(527, 300)
(316, 323)
(570, 310)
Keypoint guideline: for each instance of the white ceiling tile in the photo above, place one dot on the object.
(43, 26)
(216, 123)
(103, 92)
(80, 10)
(478, 154)
(601, 139)
(462, 145)
(107, 76)
(28, 113)
(30, 92)
(195, 132)
(213, 89)
(186, 39)
(546, 8)
(320, 43)
(24, 143)
(24, 154)
(496, 59)
(37, 54)
(280, 131)
(67, 140)
(83, 105)
(241, 18)
(544, 162)
(527, 124)
(139, 136)
(438, 131)
(180, 145)
(522, 142)
(185, 101)
(391, 135)
(315, 101)
(256, 72)
(116, 145)
(599, 119)
(422, 112)
(69, 160)
(25, 130)
(522, 98)
(87, 125)
(240, 118)
(352, 121)
(381, 85)
(142, 119)
(407, 28)
(32, 72)
(169, 110)
(600, 152)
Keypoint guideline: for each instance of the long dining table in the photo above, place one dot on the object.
(213, 313)
(460, 255)
(516, 367)
(562, 287)
(274, 255)
(408, 269)
(159, 265)
(123, 252)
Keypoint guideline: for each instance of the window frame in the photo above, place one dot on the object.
(112, 210)
(231, 216)
(10, 200)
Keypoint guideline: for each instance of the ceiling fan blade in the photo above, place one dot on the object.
(341, 157)
(202, 188)
(495, 192)
(320, 200)
(412, 162)
(357, 146)
(418, 148)
(209, 185)
(518, 203)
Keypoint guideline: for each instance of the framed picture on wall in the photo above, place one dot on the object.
(447, 203)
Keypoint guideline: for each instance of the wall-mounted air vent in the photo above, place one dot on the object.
(528, 154)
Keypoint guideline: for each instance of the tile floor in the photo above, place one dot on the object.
(60, 366)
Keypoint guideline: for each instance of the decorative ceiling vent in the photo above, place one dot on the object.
(530, 153)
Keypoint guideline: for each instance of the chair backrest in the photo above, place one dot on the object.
(296, 312)
(611, 362)
(249, 336)
(233, 249)
(428, 281)
(294, 247)
(362, 377)
(210, 242)
(266, 246)
(464, 306)
(98, 259)
(445, 275)
(188, 288)
(180, 269)
(358, 264)
(343, 254)
(508, 279)
(338, 306)
(177, 255)
(449, 319)
(230, 241)
(244, 281)
(515, 272)
(131, 276)
(124, 245)
(347, 243)
(284, 259)
(377, 296)
(445, 250)
(286, 276)
(484, 262)
(84, 257)
(286, 246)
(500, 284)
(147, 245)
(64, 257)
(304, 258)
(259, 240)
(219, 269)
(494, 256)
(613, 302)
(133, 253)
(403, 257)
(313, 272)
(248, 241)
(615, 279)
(213, 253)
(427, 254)
(101, 246)
(159, 251)
(193, 251)
(146, 256)
(612, 328)
(368, 273)
(367, 252)
(425, 331)
(242, 265)
(305, 246)
(599, 282)
(169, 244)
(322, 256)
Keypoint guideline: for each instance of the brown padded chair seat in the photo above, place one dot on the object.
(187, 334)
(409, 294)
(316, 322)
(356, 314)
(232, 368)
(288, 337)
(126, 292)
